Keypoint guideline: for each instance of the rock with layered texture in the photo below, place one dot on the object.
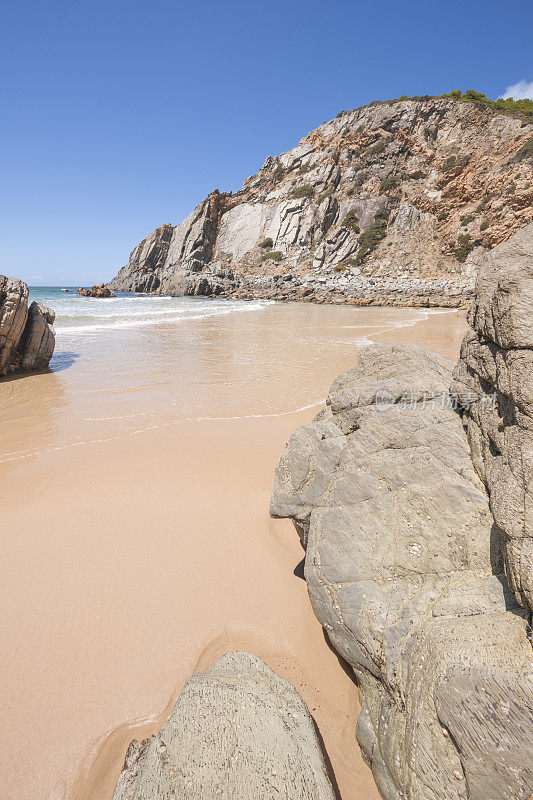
(404, 571)
(37, 346)
(237, 730)
(494, 382)
(27, 337)
(389, 203)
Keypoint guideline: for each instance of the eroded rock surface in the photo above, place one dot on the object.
(391, 203)
(404, 570)
(236, 731)
(27, 336)
(494, 382)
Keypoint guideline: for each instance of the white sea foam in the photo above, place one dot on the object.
(150, 317)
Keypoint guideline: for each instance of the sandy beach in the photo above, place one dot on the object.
(138, 548)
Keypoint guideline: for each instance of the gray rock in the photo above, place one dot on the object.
(494, 382)
(27, 338)
(38, 342)
(237, 730)
(13, 316)
(404, 571)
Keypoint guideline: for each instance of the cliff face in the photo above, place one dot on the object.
(494, 381)
(27, 336)
(398, 201)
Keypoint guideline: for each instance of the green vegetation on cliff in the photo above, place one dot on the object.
(521, 108)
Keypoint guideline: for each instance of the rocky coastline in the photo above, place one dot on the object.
(345, 288)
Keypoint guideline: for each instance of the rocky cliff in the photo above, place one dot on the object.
(27, 336)
(422, 579)
(393, 202)
(494, 383)
(237, 730)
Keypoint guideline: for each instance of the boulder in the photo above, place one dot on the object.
(101, 290)
(237, 730)
(38, 342)
(404, 571)
(27, 338)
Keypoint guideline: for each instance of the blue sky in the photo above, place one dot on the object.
(120, 116)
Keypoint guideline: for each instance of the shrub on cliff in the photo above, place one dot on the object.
(361, 177)
(526, 151)
(272, 255)
(266, 244)
(303, 191)
(454, 161)
(351, 221)
(389, 183)
(464, 247)
(376, 149)
(370, 239)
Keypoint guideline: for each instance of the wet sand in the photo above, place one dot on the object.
(136, 552)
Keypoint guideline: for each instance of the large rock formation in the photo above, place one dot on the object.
(236, 731)
(27, 336)
(392, 202)
(494, 382)
(404, 570)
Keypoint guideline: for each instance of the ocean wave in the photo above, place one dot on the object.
(139, 320)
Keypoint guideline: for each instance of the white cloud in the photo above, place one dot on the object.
(523, 90)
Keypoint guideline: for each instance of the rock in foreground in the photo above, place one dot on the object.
(236, 731)
(404, 571)
(494, 381)
(27, 336)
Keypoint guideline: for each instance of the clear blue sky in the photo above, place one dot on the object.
(120, 116)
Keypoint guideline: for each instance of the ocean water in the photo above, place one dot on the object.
(131, 363)
(88, 316)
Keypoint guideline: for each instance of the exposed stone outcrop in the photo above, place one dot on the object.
(101, 290)
(494, 382)
(237, 730)
(404, 570)
(27, 336)
(391, 203)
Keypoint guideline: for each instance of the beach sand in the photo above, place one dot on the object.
(137, 554)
